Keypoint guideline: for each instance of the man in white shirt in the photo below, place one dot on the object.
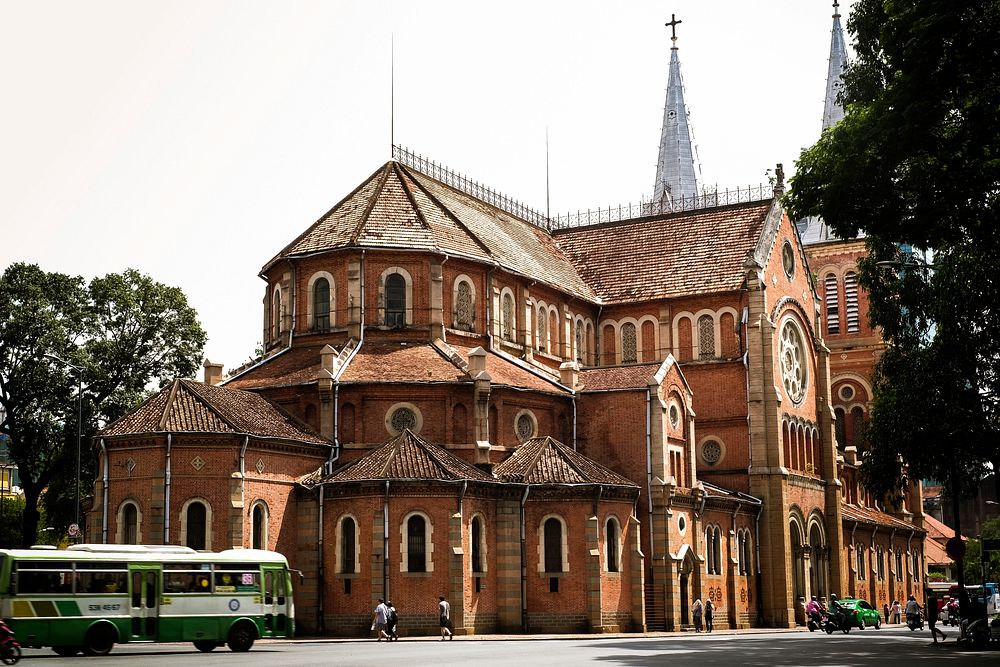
(444, 610)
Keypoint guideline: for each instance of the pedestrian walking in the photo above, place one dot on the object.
(444, 610)
(709, 615)
(932, 611)
(696, 611)
(885, 612)
(391, 619)
(379, 618)
(897, 611)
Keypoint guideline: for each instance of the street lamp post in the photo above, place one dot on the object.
(79, 426)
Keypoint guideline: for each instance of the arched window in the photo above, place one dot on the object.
(478, 541)
(709, 550)
(395, 300)
(465, 314)
(321, 305)
(416, 544)
(607, 345)
(832, 304)
(196, 524)
(507, 317)
(276, 313)
(348, 550)
(629, 344)
(706, 337)
(259, 521)
(579, 341)
(851, 301)
(553, 545)
(130, 524)
(542, 338)
(612, 542)
(459, 423)
(860, 555)
(858, 425)
(347, 423)
(840, 427)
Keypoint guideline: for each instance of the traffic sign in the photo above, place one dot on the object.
(955, 548)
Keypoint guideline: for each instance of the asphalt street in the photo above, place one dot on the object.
(871, 647)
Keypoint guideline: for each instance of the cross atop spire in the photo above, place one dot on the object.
(673, 27)
(836, 9)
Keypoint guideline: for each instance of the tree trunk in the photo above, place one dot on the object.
(29, 522)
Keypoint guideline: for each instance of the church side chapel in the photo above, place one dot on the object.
(561, 425)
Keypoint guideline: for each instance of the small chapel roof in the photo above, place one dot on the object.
(680, 254)
(188, 406)
(405, 457)
(398, 207)
(871, 516)
(545, 460)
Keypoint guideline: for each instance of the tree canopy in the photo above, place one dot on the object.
(123, 331)
(914, 166)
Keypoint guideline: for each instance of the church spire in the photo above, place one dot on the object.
(832, 111)
(675, 168)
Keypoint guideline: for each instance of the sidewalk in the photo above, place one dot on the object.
(542, 637)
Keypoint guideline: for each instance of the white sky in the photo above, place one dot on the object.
(192, 140)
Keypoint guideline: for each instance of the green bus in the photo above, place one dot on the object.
(90, 596)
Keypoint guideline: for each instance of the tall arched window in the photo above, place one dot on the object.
(629, 344)
(459, 424)
(706, 337)
(196, 526)
(395, 300)
(860, 555)
(840, 427)
(858, 426)
(612, 542)
(507, 317)
(553, 545)
(477, 538)
(851, 301)
(464, 312)
(276, 313)
(832, 304)
(348, 546)
(130, 524)
(259, 526)
(321, 304)
(579, 341)
(542, 339)
(416, 544)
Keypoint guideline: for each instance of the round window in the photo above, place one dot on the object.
(675, 415)
(847, 392)
(525, 426)
(682, 524)
(788, 259)
(793, 362)
(402, 419)
(711, 452)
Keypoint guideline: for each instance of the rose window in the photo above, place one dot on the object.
(793, 363)
(402, 419)
(711, 452)
(525, 427)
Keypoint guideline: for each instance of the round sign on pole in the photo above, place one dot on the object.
(955, 548)
(73, 530)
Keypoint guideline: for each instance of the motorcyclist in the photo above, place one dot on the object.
(813, 609)
(912, 609)
(836, 611)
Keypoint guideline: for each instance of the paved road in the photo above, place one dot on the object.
(871, 647)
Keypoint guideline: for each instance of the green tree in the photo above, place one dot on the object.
(915, 165)
(125, 331)
(976, 568)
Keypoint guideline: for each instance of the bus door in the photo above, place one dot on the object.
(144, 601)
(277, 600)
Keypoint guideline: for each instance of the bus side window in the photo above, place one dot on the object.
(268, 584)
(281, 588)
(136, 590)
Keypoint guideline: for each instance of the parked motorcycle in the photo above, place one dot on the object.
(914, 621)
(10, 649)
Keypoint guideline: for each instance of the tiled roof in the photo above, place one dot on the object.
(618, 377)
(681, 254)
(874, 517)
(547, 461)
(713, 491)
(401, 208)
(189, 406)
(401, 362)
(294, 366)
(935, 554)
(937, 530)
(505, 372)
(405, 457)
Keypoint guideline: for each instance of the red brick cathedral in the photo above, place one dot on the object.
(559, 425)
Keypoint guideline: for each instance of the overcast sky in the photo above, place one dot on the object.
(192, 140)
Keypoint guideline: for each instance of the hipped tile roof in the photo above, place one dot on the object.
(682, 254)
(405, 457)
(294, 366)
(398, 207)
(188, 406)
(545, 460)
(618, 377)
(874, 517)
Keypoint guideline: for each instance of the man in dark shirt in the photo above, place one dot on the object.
(931, 609)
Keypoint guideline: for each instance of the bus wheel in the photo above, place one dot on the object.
(99, 640)
(205, 646)
(241, 637)
(66, 651)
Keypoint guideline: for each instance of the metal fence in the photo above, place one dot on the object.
(581, 218)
